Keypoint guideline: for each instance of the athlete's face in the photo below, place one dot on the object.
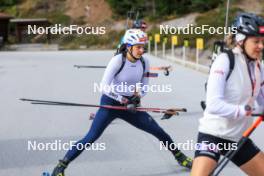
(137, 50)
(254, 46)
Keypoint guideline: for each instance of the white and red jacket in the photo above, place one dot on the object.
(225, 115)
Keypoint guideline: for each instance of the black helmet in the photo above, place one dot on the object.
(249, 24)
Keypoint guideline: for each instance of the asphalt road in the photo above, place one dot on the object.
(128, 151)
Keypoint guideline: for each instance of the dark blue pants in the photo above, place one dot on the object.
(104, 117)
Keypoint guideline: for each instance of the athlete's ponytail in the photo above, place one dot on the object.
(121, 50)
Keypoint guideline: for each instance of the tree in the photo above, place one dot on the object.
(8, 2)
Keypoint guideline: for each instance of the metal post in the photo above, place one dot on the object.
(227, 13)
(184, 55)
(172, 49)
(155, 48)
(163, 49)
(197, 58)
(149, 45)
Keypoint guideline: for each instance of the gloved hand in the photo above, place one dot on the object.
(132, 100)
(135, 99)
(166, 72)
(124, 101)
(248, 110)
(131, 103)
(131, 108)
(169, 113)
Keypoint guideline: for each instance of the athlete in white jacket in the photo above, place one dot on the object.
(225, 117)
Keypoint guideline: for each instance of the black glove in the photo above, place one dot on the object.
(134, 100)
(133, 103)
(166, 72)
(168, 114)
(131, 108)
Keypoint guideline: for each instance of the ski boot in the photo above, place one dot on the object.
(59, 169)
(183, 160)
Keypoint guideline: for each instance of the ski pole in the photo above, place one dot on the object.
(89, 66)
(172, 111)
(231, 153)
(166, 69)
(102, 66)
(129, 16)
(168, 112)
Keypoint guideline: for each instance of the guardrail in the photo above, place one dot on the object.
(179, 59)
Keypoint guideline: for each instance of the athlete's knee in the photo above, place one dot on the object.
(202, 166)
(255, 166)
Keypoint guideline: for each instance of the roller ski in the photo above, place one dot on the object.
(183, 160)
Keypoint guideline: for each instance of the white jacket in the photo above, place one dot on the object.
(225, 115)
(127, 79)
